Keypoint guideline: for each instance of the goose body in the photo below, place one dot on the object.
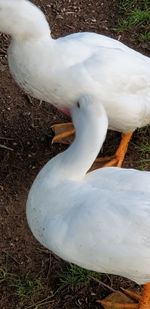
(60, 71)
(99, 220)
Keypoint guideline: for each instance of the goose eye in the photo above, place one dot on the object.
(78, 104)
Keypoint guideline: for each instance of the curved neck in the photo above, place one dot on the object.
(22, 20)
(90, 135)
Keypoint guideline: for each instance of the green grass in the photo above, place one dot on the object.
(74, 276)
(24, 286)
(144, 164)
(136, 13)
(136, 17)
(145, 36)
(144, 149)
(133, 4)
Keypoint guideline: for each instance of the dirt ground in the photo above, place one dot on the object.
(25, 146)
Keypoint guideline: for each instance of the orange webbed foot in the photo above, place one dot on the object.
(118, 300)
(64, 133)
(119, 156)
(128, 299)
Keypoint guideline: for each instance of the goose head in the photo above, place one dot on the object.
(88, 110)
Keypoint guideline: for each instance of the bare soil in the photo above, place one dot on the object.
(25, 146)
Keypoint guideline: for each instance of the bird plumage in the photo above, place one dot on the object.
(59, 71)
(99, 220)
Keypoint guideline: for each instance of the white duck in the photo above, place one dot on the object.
(59, 71)
(100, 220)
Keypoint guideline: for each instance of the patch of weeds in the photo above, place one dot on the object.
(135, 14)
(144, 148)
(128, 5)
(75, 276)
(145, 36)
(145, 133)
(24, 286)
(144, 162)
(6, 276)
(136, 17)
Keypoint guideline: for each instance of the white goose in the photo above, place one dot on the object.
(59, 71)
(100, 220)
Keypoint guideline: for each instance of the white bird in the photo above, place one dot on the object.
(100, 220)
(60, 70)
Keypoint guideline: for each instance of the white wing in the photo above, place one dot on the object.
(109, 70)
(104, 229)
(120, 179)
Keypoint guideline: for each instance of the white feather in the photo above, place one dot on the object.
(59, 71)
(99, 220)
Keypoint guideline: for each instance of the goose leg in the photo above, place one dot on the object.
(117, 159)
(121, 300)
(145, 300)
(121, 151)
(140, 301)
(64, 133)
